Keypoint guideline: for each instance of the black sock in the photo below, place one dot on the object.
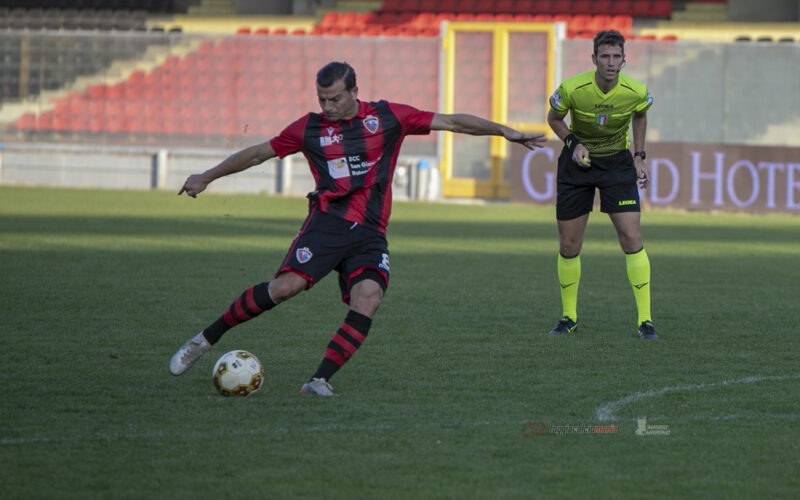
(250, 304)
(344, 344)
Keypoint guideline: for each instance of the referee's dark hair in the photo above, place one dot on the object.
(335, 71)
(609, 37)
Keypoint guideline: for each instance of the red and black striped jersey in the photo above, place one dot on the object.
(353, 161)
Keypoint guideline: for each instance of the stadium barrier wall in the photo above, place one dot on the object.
(684, 176)
(135, 167)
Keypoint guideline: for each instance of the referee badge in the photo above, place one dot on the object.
(371, 123)
(602, 120)
(303, 255)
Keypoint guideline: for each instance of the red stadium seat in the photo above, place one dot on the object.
(580, 22)
(504, 6)
(373, 30)
(486, 7)
(581, 7)
(26, 122)
(448, 6)
(329, 19)
(543, 7)
(393, 6)
(425, 19)
(621, 23)
(661, 8)
(621, 7)
(601, 7)
(469, 6)
(640, 8)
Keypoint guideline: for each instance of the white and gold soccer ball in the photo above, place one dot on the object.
(238, 373)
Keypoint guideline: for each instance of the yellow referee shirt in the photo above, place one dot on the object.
(601, 121)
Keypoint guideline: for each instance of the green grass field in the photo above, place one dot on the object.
(100, 287)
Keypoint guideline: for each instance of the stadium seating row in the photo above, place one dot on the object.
(74, 19)
(635, 8)
(430, 21)
(160, 6)
(51, 62)
(219, 87)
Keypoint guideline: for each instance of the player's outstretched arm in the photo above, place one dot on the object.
(474, 125)
(241, 160)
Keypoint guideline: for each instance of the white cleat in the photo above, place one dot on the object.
(317, 386)
(188, 354)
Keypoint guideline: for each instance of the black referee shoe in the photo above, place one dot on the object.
(564, 326)
(647, 330)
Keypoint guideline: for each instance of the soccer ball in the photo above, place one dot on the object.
(238, 373)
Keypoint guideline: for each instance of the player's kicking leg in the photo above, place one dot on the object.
(254, 301)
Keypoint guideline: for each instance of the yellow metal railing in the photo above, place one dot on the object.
(496, 183)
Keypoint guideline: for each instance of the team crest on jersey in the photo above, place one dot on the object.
(602, 120)
(303, 255)
(371, 123)
(555, 99)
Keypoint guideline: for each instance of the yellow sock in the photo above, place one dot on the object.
(638, 267)
(569, 275)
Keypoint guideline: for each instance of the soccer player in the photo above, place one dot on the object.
(602, 104)
(351, 149)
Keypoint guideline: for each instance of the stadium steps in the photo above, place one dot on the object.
(361, 6)
(726, 32)
(230, 25)
(118, 72)
(702, 12)
(213, 8)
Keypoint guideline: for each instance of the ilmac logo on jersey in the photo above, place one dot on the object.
(331, 138)
(338, 168)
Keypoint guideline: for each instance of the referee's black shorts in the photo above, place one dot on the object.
(615, 177)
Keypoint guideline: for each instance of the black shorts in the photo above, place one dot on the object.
(328, 243)
(615, 177)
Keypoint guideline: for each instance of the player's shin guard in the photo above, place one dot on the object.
(569, 276)
(638, 267)
(344, 344)
(254, 301)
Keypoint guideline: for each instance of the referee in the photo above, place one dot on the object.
(602, 105)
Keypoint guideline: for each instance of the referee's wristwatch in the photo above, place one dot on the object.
(640, 154)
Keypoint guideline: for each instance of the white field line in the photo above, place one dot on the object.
(603, 413)
(606, 412)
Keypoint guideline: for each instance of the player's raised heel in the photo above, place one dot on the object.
(190, 352)
(318, 386)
